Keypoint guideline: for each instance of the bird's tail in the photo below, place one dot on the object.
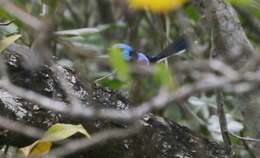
(174, 48)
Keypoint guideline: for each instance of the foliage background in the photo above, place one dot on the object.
(148, 31)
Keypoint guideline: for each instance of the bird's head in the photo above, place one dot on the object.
(127, 51)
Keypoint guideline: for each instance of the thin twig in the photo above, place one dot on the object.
(6, 23)
(223, 123)
(76, 145)
(73, 13)
(158, 102)
(66, 86)
(20, 128)
(247, 147)
(105, 76)
(25, 17)
(244, 138)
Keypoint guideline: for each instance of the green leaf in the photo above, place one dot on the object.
(241, 2)
(119, 64)
(163, 76)
(7, 41)
(115, 83)
(192, 12)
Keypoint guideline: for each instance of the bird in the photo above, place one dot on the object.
(179, 46)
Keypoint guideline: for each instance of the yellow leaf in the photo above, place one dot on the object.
(61, 131)
(38, 148)
(156, 5)
(7, 41)
(56, 132)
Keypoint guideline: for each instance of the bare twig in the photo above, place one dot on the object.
(26, 18)
(73, 13)
(6, 23)
(247, 147)
(89, 112)
(76, 145)
(223, 123)
(244, 138)
(158, 102)
(20, 128)
(66, 86)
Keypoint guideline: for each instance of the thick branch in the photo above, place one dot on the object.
(159, 137)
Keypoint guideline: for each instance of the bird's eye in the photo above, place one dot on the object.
(132, 54)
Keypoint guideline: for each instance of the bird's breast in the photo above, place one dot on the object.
(142, 58)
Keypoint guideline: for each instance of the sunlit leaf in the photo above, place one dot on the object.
(115, 84)
(241, 2)
(163, 76)
(55, 133)
(7, 41)
(119, 64)
(38, 148)
(62, 131)
(156, 5)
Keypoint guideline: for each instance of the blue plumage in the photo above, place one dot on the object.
(126, 50)
(130, 55)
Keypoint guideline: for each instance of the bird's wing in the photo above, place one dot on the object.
(174, 48)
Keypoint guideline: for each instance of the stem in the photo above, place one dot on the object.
(223, 123)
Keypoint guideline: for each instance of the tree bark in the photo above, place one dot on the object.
(160, 138)
(232, 46)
